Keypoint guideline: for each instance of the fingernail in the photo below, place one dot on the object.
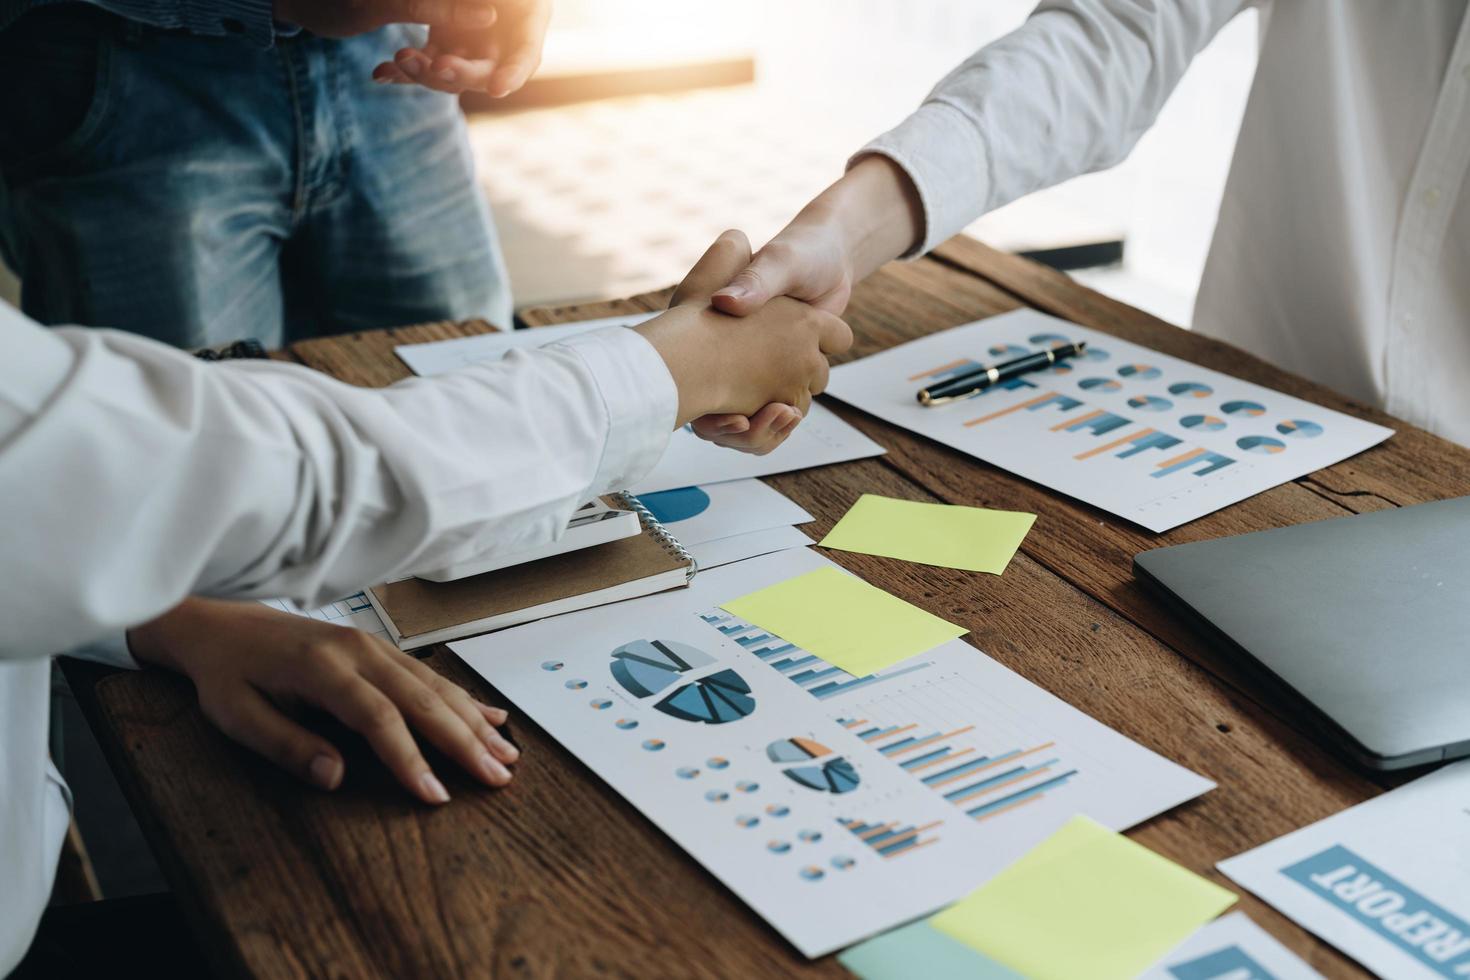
(508, 752)
(381, 79)
(493, 771)
(434, 790)
(325, 771)
(446, 75)
(734, 292)
(411, 67)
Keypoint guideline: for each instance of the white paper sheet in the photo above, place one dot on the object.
(720, 510)
(1147, 437)
(440, 356)
(1387, 881)
(1232, 948)
(723, 551)
(821, 438)
(849, 831)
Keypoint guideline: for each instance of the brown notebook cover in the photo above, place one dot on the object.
(414, 609)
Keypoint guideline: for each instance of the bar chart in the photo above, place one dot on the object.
(892, 838)
(811, 673)
(983, 785)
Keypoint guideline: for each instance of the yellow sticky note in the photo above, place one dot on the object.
(1085, 902)
(844, 620)
(933, 534)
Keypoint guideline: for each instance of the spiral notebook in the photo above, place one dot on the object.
(418, 613)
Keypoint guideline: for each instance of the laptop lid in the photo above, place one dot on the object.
(1367, 618)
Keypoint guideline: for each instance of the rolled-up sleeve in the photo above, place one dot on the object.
(135, 475)
(1068, 92)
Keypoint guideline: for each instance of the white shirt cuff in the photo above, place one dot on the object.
(943, 153)
(112, 650)
(640, 397)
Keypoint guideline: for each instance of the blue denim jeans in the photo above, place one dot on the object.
(200, 190)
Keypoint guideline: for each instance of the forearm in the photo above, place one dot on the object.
(1067, 93)
(876, 213)
(137, 475)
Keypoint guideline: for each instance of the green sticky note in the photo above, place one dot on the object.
(920, 950)
(844, 620)
(972, 538)
(1085, 902)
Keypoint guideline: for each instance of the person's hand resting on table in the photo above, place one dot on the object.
(766, 366)
(252, 664)
(496, 58)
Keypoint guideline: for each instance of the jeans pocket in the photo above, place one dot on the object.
(59, 75)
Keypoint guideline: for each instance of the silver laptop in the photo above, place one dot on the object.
(1367, 618)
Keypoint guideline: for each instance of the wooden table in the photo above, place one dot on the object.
(558, 876)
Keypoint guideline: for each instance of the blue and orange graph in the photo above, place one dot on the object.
(1047, 399)
(984, 786)
(893, 838)
(811, 673)
(1137, 442)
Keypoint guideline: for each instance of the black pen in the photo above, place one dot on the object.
(976, 381)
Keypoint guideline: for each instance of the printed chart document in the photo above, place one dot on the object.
(1231, 948)
(1387, 881)
(835, 806)
(1145, 436)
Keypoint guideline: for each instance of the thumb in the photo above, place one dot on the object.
(754, 287)
(720, 262)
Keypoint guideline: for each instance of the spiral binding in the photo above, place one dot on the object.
(660, 533)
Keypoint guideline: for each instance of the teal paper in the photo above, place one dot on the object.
(919, 950)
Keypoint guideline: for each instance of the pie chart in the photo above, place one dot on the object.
(811, 764)
(1141, 372)
(1260, 444)
(1207, 423)
(673, 506)
(1049, 339)
(1008, 350)
(1150, 403)
(1243, 408)
(1299, 429)
(646, 668)
(1191, 389)
(1099, 384)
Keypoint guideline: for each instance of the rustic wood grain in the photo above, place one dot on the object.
(558, 876)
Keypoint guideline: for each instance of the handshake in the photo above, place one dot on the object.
(745, 382)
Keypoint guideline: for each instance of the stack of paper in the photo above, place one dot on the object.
(723, 522)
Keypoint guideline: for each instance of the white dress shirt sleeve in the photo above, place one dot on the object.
(1068, 92)
(134, 475)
